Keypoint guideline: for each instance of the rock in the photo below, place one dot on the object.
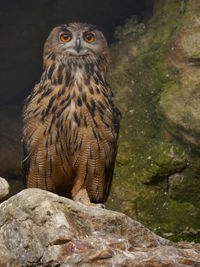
(165, 159)
(155, 77)
(179, 103)
(43, 229)
(4, 188)
(7, 258)
(181, 187)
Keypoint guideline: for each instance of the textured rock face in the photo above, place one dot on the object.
(38, 228)
(7, 258)
(179, 103)
(156, 81)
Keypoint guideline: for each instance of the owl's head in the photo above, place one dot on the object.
(76, 42)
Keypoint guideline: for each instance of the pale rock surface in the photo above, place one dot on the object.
(39, 228)
(4, 188)
(7, 258)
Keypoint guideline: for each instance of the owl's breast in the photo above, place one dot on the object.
(88, 127)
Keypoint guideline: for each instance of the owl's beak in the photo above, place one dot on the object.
(78, 45)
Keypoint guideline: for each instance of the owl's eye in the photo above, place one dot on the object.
(89, 37)
(66, 37)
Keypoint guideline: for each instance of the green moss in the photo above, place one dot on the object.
(179, 218)
(144, 82)
(164, 160)
(185, 187)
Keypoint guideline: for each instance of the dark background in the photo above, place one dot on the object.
(25, 25)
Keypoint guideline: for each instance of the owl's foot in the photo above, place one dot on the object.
(82, 197)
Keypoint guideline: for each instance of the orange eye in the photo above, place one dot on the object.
(66, 37)
(89, 37)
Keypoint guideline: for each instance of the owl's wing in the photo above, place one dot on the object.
(116, 126)
(109, 175)
(25, 164)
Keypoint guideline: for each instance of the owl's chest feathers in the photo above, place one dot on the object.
(73, 98)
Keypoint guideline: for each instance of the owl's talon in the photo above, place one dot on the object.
(82, 197)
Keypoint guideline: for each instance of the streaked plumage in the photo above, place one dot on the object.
(71, 122)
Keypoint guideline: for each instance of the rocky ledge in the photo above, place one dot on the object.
(38, 228)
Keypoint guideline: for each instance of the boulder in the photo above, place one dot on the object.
(4, 188)
(39, 228)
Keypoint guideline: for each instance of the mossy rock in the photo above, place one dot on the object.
(160, 126)
(164, 159)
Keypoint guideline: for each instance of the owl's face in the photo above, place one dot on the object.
(76, 41)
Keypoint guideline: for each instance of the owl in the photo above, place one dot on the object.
(70, 119)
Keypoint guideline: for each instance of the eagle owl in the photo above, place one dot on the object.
(70, 120)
